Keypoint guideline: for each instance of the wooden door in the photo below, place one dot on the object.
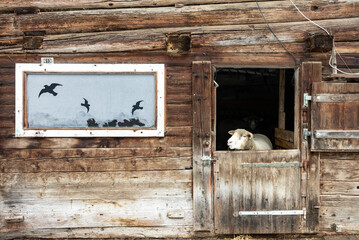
(335, 117)
(253, 192)
(258, 192)
(268, 192)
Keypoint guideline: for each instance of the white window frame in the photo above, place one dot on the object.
(23, 68)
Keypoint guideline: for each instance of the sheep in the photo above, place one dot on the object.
(243, 140)
(253, 121)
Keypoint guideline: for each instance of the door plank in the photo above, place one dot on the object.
(201, 141)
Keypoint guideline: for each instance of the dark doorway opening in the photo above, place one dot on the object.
(260, 100)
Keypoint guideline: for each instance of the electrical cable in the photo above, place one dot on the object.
(270, 28)
(325, 30)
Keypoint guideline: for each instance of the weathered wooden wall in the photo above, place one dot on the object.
(142, 187)
(109, 186)
(339, 192)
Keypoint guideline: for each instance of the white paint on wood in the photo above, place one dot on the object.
(23, 68)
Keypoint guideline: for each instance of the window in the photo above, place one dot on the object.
(260, 100)
(90, 100)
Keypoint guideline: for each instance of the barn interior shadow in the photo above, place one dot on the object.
(248, 98)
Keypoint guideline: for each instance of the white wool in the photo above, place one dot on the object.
(244, 140)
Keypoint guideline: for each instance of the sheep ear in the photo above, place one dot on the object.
(231, 132)
(250, 135)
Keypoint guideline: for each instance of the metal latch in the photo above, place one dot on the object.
(306, 134)
(208, 158)
(306, 99)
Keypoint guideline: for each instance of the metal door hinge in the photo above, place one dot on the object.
(14, 219)
(275, 164)
(272, 213)
(306, 99)
(306, 134)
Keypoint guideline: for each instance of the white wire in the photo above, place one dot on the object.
(316, 24)
(325, 30)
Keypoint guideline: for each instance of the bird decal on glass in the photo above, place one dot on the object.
(136, 106)
(86, 104)
(49, 89)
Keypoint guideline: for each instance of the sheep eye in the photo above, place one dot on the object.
(244, 136)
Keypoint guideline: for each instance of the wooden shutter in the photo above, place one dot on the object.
(202, 86)
(335, 117)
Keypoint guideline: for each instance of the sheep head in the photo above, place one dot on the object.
(240, 140)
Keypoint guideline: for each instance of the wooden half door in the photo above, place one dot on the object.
(258, 192)
(261, 192)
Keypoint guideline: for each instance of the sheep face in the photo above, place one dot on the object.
(239, 139)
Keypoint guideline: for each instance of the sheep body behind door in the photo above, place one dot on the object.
(244, 140)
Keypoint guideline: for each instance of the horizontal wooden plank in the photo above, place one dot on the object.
(103, 232)
(175, 137)
(96, 153)
(335, 88)
(7, 99)
(6, 89)
(340, 187)
(262, 156)
(179, 94)
(57, 22)
(123, 57)
(340, 156)
(347, 47)
(73, 213)
(345, 219)
(206, 36)
(283, 144)
(257, 34)
(95, 164)
(10, 5)
(96, 185)
(343, 201)
(284, 134)
(336, 134)
(178, 75)
(340, 170)
(179, 115)
(219, 59)
(257, 48)
(335, 145)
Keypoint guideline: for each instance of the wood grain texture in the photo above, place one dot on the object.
(130, 188)
(10, 5)
(99, 199)
(59, 22)
(339, 188)
(153, 38)
(95, 164)
(201, 143)
(239, 188)
(335, 107)
(311, 73)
